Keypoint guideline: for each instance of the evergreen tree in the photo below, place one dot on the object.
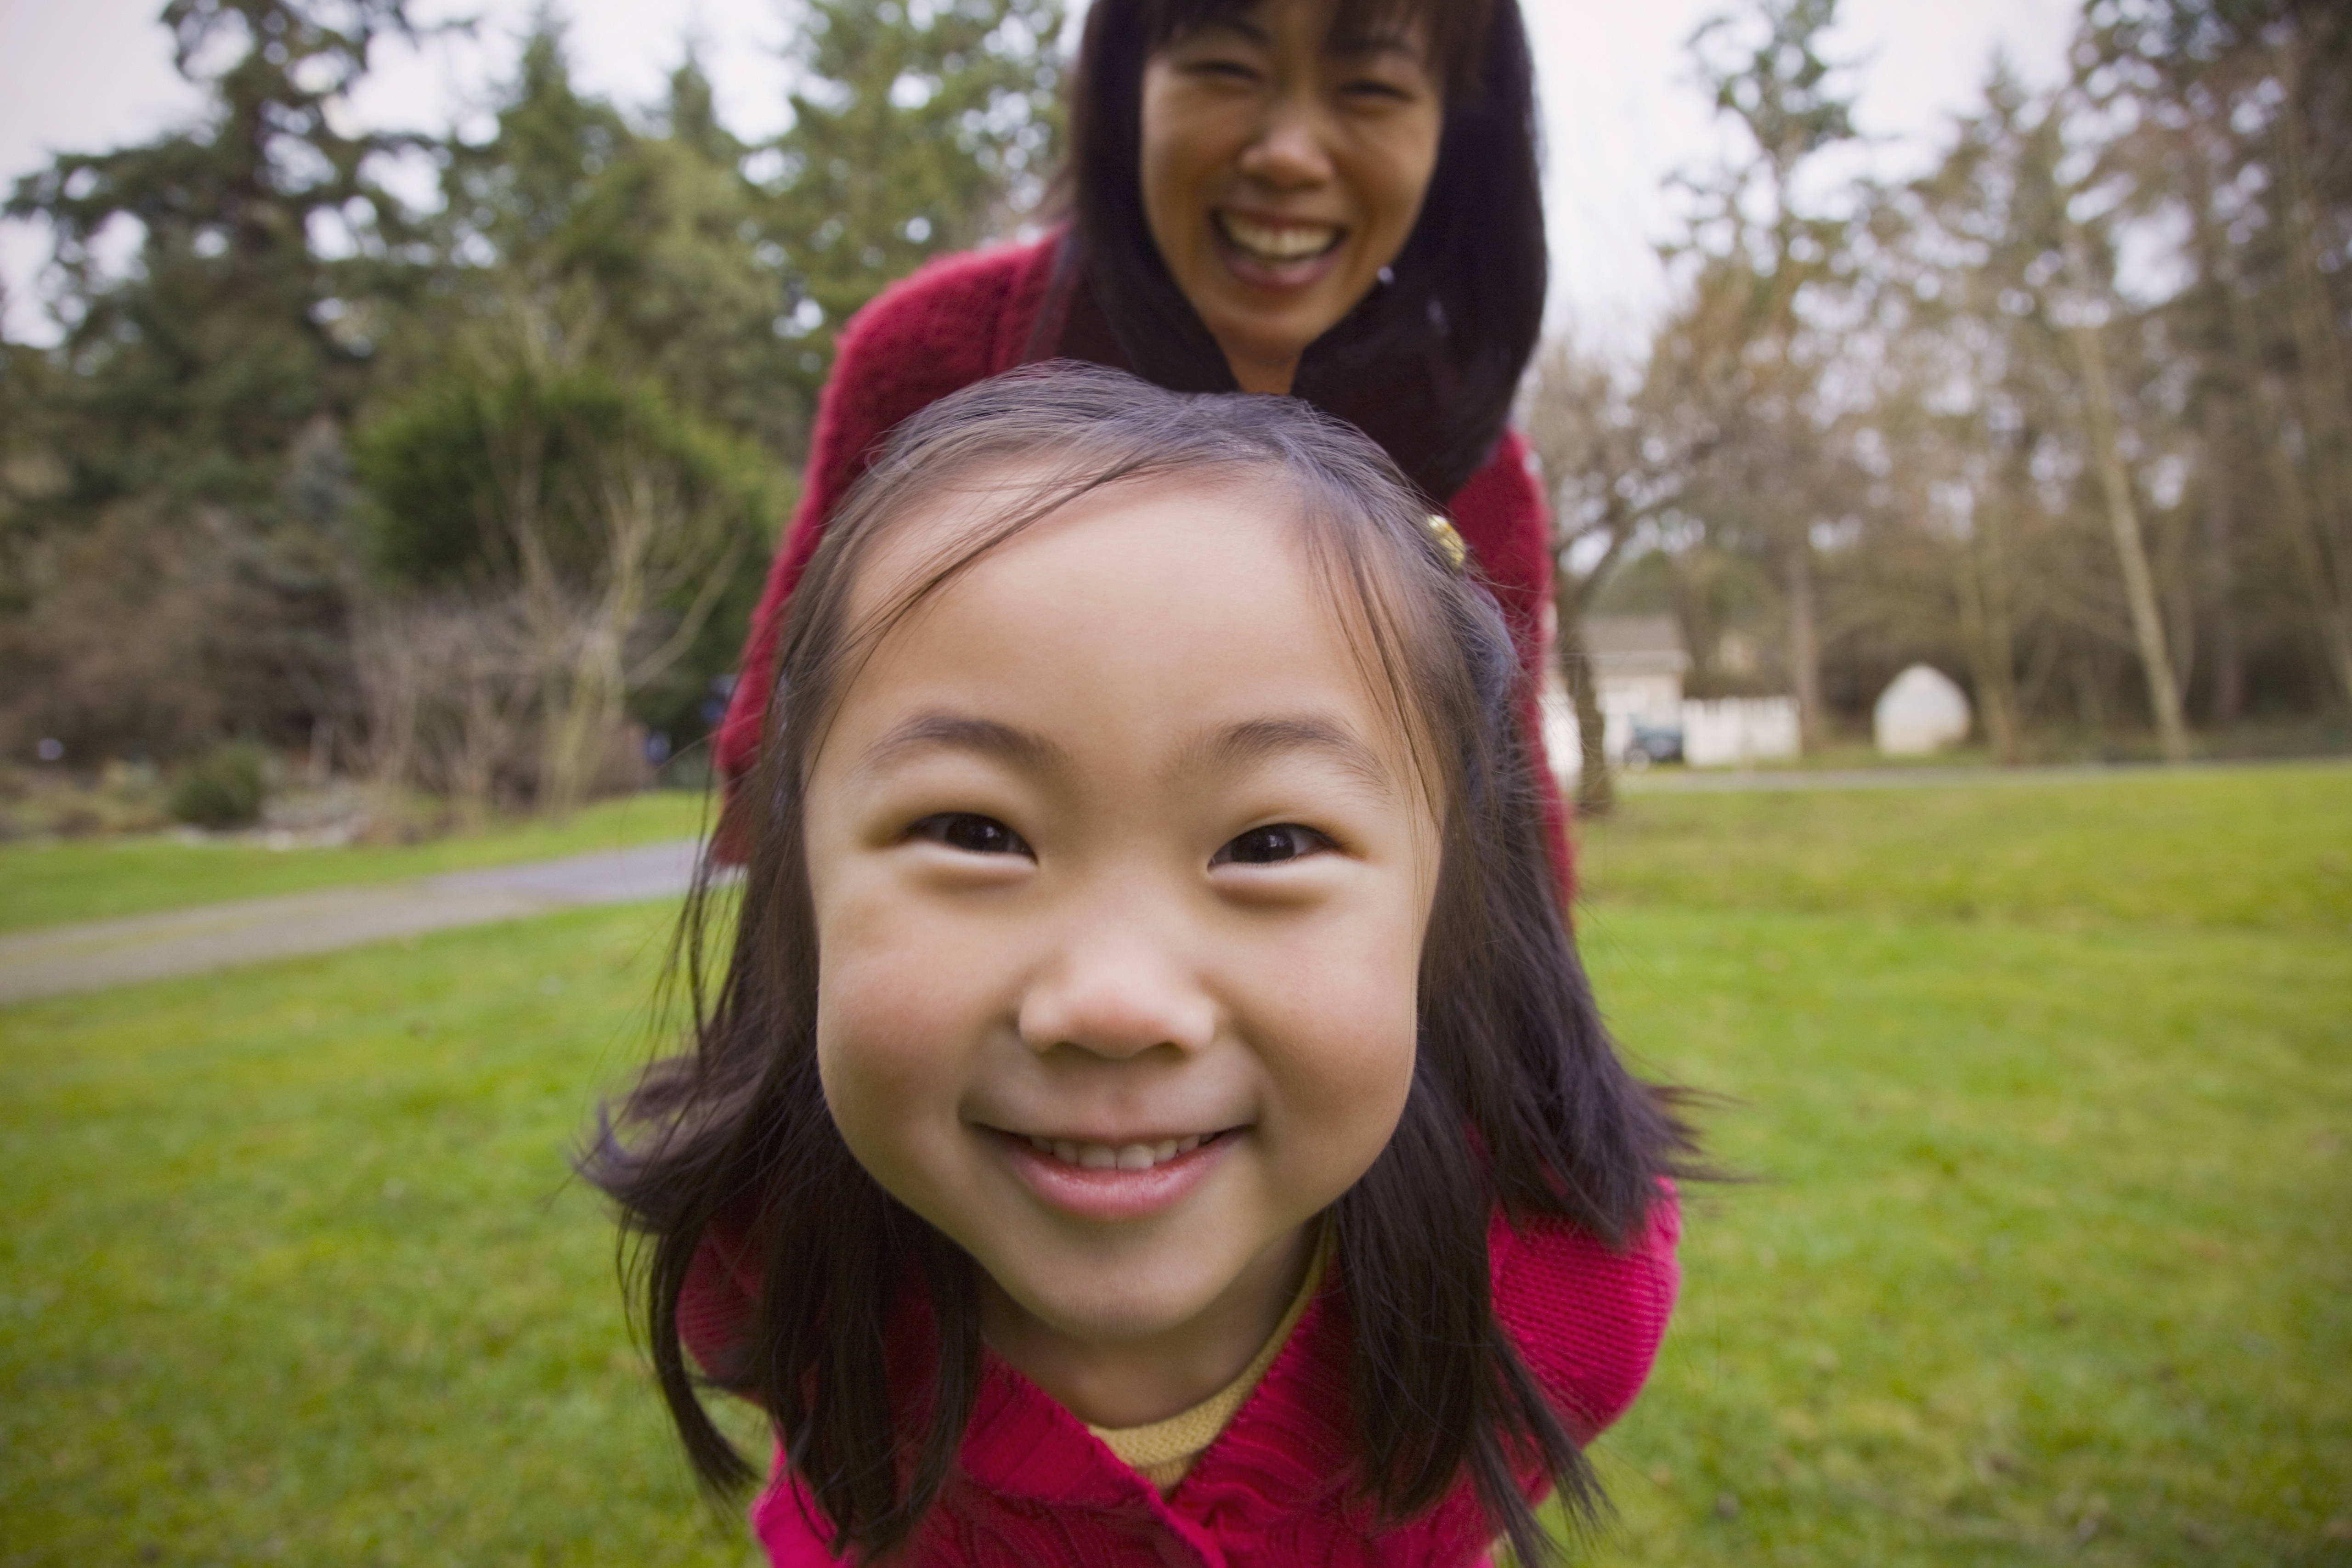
(919, 126)
(192, 376)
(166, 586)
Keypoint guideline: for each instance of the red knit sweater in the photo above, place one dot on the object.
(1034, 1488)
(965, 318)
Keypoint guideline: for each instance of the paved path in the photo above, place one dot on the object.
(219, 936)
(1718, 780)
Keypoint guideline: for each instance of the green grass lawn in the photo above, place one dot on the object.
(53, 881)
(2046, 1257)
(2266, 848)
(294, 1270)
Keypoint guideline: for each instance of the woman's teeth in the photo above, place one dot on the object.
(1278, 242)
(1123, 1157)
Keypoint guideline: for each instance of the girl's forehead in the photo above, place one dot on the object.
(1190, 566)
(1160, 541)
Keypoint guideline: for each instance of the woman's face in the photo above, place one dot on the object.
(1284, 166)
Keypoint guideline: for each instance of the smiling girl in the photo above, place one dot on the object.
(1153, 1111)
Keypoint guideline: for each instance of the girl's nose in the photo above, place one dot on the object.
(1113, 991)
(1291, 150)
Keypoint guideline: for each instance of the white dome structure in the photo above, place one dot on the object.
(1921, 711)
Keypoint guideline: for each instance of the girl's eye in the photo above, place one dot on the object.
(1271, 845)
(970, 833)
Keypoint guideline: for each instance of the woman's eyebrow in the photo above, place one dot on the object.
(1252, 741)
(1241, 26)
(961, 732)
(1365, 46)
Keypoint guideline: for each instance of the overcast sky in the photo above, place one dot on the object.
(1620, 108)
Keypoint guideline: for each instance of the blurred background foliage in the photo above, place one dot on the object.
(2069, 417)
(555, 411)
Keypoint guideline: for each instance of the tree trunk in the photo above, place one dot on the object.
(2225, 383)
(1992, 659)
(2322, 380)
(1596, 784)
(2331, 608)
(2131, 543)
(1804, 638)
(2229, 693)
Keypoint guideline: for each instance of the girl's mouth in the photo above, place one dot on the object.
(1111, 1182)
(1122, 1157)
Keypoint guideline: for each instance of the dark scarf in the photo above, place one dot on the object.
(1378, 369)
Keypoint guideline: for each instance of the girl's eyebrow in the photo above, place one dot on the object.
(1238, 746)
(1228, 749)
(961, 732)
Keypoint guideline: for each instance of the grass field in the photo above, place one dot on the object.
(52, 882)
(2046, 1258)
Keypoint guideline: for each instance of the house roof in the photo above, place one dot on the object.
(1636, 645)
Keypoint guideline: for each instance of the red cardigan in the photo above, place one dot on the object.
(965, 318)
(1034, 1488)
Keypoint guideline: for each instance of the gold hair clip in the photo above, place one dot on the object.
(1449, 541)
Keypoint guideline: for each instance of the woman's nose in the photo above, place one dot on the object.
(1114, 989)
(1291, 149)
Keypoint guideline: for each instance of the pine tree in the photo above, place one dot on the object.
(919, 126)
(175, 579)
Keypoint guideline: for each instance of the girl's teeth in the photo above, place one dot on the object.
(1104, 1157)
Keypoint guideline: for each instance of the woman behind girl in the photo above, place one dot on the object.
(1335, 199)
(1151, 1112)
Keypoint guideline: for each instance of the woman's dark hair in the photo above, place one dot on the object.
(1428, 364)
(1518, 1099)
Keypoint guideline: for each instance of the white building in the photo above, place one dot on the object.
(1921, 711)
(1638, 665)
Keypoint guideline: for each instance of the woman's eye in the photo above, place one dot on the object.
(1222, 71)
(1271, 845)
(970, 833)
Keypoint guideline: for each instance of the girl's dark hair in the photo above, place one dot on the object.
(1429, 362)
(1517, 1098)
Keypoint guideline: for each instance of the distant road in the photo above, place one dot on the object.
(59, 958)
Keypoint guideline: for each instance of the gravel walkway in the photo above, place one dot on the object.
(60, 959)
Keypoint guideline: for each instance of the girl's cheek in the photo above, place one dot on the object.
(888, 1020)
(903, 991)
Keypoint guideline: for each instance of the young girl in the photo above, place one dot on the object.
(1151, 1112)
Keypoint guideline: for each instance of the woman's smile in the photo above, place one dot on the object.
(1276, 241)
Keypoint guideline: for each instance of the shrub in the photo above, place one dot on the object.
(223, 788)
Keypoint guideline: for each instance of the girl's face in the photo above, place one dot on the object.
(1121, 874)
(1283, 167)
